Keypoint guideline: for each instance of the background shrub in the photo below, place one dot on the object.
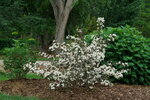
(131, 47)
(5, 43)
(15, 59)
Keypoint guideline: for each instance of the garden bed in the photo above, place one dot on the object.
(39, 88)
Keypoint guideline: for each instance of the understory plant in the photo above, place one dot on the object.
(78, 64)
(16, 57)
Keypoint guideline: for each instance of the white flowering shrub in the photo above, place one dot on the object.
(78, 64)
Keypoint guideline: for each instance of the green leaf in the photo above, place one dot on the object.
(137, 55)
(131, 64)
(148, 71)
(140, 65)
(132, 79)
(133, 74)
(141, 79)
(125, 58)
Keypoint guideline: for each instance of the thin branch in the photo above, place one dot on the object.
(70, 4)
(55, 8)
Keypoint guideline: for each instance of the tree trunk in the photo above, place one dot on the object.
(61, 27)
(61, 9)
(46, 43)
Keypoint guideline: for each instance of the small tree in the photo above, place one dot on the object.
(62, 9)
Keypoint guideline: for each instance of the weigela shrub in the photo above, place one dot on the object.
(77, 64)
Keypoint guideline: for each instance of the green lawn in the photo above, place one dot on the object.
(42, 59)
(8, 97)
(5, 76)
(33, 76)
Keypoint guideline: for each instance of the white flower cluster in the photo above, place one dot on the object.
(111, 37)
(100, 23)
(78, 63)
(79, 30)
(43, 54)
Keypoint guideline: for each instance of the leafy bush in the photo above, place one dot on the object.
(15, 59)
(131, 47)
(78, 64)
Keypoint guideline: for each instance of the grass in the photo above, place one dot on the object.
(5, 76)
(8, 97)
(42, 59)
(33, 76)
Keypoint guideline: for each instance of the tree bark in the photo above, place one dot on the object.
(61, 27)
(62, 9)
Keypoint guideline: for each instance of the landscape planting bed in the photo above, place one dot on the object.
(39, 88)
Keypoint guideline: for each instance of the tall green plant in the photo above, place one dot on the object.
(15, 59)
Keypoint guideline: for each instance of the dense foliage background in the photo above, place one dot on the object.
(35, 18)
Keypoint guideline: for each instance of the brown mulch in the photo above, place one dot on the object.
(39, 88)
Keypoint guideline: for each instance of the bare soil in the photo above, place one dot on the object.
(39, 88)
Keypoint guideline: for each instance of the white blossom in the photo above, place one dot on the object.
(100, 23)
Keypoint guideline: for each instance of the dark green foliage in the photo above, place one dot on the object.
(25, 16)
(35, 18)
(15, 59)
(115, 12)
(10, 11)
(88, 38)
(5, 43)
(143, 20)
(29, 18)
(131, 47)
(121, 12)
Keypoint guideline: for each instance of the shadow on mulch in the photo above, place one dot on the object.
(39, 88)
